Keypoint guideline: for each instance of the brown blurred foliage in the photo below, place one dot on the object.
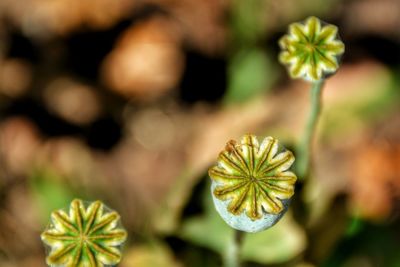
(375, 184)
(147, 60)
(120, 100)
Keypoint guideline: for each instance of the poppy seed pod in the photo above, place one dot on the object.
(311, 50)
(85, 235)
(251, 183)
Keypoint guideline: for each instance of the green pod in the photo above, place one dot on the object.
(251, 183)
(85, 235)
(311, 50)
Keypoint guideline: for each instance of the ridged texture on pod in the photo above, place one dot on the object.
(311, 50)
(87, 236)
(251, 183)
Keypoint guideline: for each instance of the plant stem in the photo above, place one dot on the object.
(305, 146)
(232, 253)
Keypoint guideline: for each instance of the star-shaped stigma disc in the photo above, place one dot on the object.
(84, 236)
(311, 50)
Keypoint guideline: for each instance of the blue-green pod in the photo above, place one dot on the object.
(251, 183)
(311, 50)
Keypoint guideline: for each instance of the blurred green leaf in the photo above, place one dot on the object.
(375, 97)
(166, 218)
(208, 230)
(49, 192)
(278, 244)
(373, 245)
(248, 20)
(354, 227)
(149, 255)
(250, 72)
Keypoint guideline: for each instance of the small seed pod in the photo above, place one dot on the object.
(84, 235)
(251, 183)
(311, 50)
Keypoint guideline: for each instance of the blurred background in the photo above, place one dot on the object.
(130, 102)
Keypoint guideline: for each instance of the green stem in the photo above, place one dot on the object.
(232, 253)
(305, 146)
